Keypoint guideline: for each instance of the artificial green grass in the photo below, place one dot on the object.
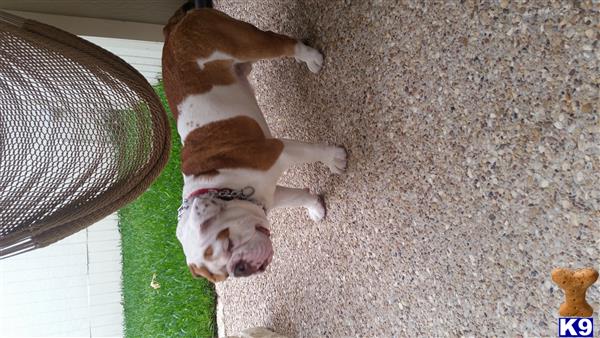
(182, 306)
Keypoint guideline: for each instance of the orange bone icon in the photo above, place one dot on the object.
(575, 283)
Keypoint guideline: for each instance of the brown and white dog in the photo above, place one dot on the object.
(230, 161)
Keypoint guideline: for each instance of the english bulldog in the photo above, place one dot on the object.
(230, 161)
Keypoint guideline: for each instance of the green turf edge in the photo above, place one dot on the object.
(182, 306)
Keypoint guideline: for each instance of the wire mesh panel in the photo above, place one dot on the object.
(81, 134)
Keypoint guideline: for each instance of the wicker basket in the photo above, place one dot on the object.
(82, 133)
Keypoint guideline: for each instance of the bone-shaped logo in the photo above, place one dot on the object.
(575, 283)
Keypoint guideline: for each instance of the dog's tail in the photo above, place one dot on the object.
(180, 13)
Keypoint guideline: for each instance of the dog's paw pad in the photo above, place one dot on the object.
(317, 212)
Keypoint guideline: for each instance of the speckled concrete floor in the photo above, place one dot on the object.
(474, 136)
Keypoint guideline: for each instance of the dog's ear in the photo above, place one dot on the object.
(202, 271)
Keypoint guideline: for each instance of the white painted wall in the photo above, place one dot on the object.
(70, 288)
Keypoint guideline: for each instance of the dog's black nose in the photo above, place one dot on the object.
(242, 269)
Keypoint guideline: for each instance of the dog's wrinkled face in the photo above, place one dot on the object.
(222, 238)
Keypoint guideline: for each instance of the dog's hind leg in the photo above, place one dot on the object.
(243, 42)
(268, 45)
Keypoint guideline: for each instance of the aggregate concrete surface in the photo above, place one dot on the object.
(473, 133)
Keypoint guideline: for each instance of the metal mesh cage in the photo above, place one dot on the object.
(82, 133)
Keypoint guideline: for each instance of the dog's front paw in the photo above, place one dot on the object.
(316, 62)
(337, 160)
(317, 211)
(312, 57)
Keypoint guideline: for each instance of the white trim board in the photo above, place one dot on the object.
(98, 27)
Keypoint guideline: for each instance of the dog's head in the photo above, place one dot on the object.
(222, 238)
